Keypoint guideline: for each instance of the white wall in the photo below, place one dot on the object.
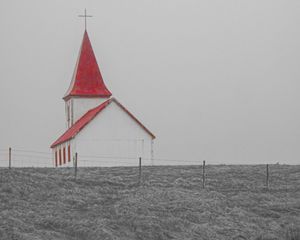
(113, 138)
(78, 106)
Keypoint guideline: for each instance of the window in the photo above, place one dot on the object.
(71, 111)
(59, 156)
(64, 155)
(55, 158)
(69, 153)
(68, 112)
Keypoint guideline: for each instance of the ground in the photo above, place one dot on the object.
(169, 203)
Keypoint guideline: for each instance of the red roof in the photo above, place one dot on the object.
(87, 79)
(89, 116)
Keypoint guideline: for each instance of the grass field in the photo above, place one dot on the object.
(108, 203)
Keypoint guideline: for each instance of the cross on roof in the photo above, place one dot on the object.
(85, 16)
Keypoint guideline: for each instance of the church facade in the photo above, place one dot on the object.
(99, 128)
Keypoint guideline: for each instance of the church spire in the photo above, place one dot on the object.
(87, 80)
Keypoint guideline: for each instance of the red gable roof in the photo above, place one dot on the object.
(89, 116)
(87, 79)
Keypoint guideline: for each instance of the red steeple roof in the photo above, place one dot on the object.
(87, 80)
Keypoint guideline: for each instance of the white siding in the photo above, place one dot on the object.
(113, 138)
(79, 106)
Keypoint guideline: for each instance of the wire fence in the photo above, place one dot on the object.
(22, 158)
(211, 177)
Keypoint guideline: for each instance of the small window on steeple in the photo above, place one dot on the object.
(68, 112)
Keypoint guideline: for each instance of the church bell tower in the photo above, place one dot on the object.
(87, 88)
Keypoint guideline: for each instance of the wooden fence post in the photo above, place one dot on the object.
(267, 177)
(140, 169)
(75, 165)
(203, 175)
(9, 158)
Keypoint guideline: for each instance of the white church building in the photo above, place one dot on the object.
(99, 128)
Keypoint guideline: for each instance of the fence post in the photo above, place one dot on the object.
(140, 169)
(203, 175)
(9, 158)
(267, 178)
(76, 155)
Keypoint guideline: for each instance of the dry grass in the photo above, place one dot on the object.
(107, 203)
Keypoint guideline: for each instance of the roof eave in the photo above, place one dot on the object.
(67, 97)
(134, 118)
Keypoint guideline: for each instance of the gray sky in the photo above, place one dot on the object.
(215, 80)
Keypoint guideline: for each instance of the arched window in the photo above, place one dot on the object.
(60, 162)
(64, 154)
(56, 162)
(69, 153)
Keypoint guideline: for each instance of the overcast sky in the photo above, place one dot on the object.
(216, 80)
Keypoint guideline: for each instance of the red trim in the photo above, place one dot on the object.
(66, 98)
(89, 116)
(64, 154)
(69, 153)
(133, 117)
(55, 158)
(80, 124)
(60, 157)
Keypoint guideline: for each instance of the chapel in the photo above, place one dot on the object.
(99, 129)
